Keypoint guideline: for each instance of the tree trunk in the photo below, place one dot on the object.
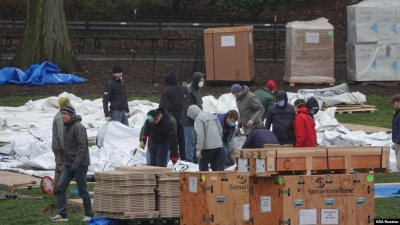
(46, 37)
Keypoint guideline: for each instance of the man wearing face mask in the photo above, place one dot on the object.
(266, 96)
(280, 115)
(313, 106)
(228, 124)
(249, 107)
(191, 97)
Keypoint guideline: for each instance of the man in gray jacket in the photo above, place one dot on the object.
(208, 137)
(76, 163)
(57, 143)
(249, 107)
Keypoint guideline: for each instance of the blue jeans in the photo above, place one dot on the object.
(210, 156)
(159, 153)
(65, 179)
(119, 116)
(148, 154)
(190, 144)
(222, 157)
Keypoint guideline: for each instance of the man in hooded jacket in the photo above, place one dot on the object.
(192, 97)
(76, 163)
(249, 107)
(260, 136)
(280, 115)
(172, 101)
(160, 129)
(208, 138)
(304, 127)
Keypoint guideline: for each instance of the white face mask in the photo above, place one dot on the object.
(201, 83)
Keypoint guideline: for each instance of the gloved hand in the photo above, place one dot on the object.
(142, 144)
(395, 146)
(108, 119)
(144, 139)
(174, 160)
(198, 154)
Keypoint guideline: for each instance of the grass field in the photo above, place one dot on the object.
(17, 212)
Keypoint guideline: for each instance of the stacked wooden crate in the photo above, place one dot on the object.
(217, 197)
(323, 185)
(168, 194)
(125, 195)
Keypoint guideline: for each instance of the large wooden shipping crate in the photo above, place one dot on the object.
(312, 199)
(214, 198)
(270, 161)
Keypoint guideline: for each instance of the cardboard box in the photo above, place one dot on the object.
(312, 199)
(229, 54)
(362, 26)
(361, 62)
(309, 53)
(386, 61)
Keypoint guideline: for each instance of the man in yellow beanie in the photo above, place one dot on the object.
(57, 143)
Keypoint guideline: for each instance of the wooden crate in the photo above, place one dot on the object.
(214, 198)
(348, 198)
(307, 161)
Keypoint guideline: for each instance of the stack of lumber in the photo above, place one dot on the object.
(168, 194)
(125, 195)
(342, 108)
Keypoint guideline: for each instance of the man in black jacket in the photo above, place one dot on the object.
(160, 129)
(172, 101)
(115, 94)
(192, 97)
(76, 163)
(260, 136)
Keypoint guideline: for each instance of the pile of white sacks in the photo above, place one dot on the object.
(28, 128)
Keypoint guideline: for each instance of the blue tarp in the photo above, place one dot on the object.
(45, 73)
(386, 191)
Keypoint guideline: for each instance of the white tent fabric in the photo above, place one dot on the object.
(28, 128)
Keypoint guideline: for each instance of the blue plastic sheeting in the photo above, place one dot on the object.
(101, 221)
(45, 73)
(386, 191)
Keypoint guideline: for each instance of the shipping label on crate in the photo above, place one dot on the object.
(312, 38)
(265, 204)
(228, 41)
(260, 165)
(246, 212)
(329, 216)
(193, 184)
(242, 165)
(308, 216)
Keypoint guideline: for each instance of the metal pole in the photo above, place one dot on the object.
(275, 40)
(154, 61)
(134, 34)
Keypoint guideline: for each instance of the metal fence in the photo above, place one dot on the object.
(160, 41)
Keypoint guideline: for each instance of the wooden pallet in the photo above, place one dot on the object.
(387, 83)
(309, 80)
(267, 162)
(342, 108)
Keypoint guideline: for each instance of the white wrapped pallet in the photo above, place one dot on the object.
(309, 52)
(361, 63)
(386, 61)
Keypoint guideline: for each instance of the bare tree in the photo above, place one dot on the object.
(46, 37)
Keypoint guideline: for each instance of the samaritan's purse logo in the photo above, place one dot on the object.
(320, 182)
(241, 180)
(330, 190)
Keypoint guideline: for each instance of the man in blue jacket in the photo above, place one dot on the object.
(280, 115)
(260, 136)
(228, 124)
